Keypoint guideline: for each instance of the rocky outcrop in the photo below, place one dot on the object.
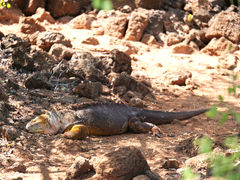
(122, 83)
(23, 57)
(85, 66)
(60, 52)
(218, 46)
(182, 48)
(91, 41)
(32, 5)
(173, 21)
(116, 25)
(137, 24)
(225, 24)
(174, 38)
(18, 3)
(123, 163)
(82, 21)
(197, 37)
(78, 168)
(30, 26)
(151, 40)
(155, 24)
(88, 89)
(68, 8)
(43, 61)
(122, 3)
(42, 15)
(3, 95)
(4, 112)
(9, 133)
(150, 4)
(201, 18)
(177, 77)
(11, 41)
(17, 167)
(10, 16)
(1, 35)
(38, 81)
(46, 39)
(19, 50)
(228, 61)
(194, 6)
(121, 62)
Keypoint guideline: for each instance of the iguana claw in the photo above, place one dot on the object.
(156, 131)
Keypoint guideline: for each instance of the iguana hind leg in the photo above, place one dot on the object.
(77, 131)
(136, 125)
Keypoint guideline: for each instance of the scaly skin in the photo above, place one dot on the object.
(105, 119)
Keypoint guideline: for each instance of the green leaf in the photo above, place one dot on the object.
(190, 17)
(237, 116)
(224, 117)
(189, 175)
(230, 112)
(205, 144)
(8, 5)
(107, 5)
(222, 166)
(231, 142)
(235, 76)
(4, 4)
(102, 4)
(212, 113)
(220, 98)
(232, 90)
(230, 47)
(97, 4)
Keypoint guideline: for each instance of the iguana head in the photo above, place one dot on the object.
(43, 123)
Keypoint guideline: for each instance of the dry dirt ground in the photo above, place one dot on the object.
(48, 157)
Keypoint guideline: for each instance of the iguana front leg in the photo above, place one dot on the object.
(77, 131)
(136, 125)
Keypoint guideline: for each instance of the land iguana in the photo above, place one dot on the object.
(105, 119)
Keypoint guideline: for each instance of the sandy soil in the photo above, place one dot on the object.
(48, 157)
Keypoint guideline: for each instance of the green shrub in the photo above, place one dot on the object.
(102, 4)
(4, 4)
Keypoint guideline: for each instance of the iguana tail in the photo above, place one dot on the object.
(162, 117)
